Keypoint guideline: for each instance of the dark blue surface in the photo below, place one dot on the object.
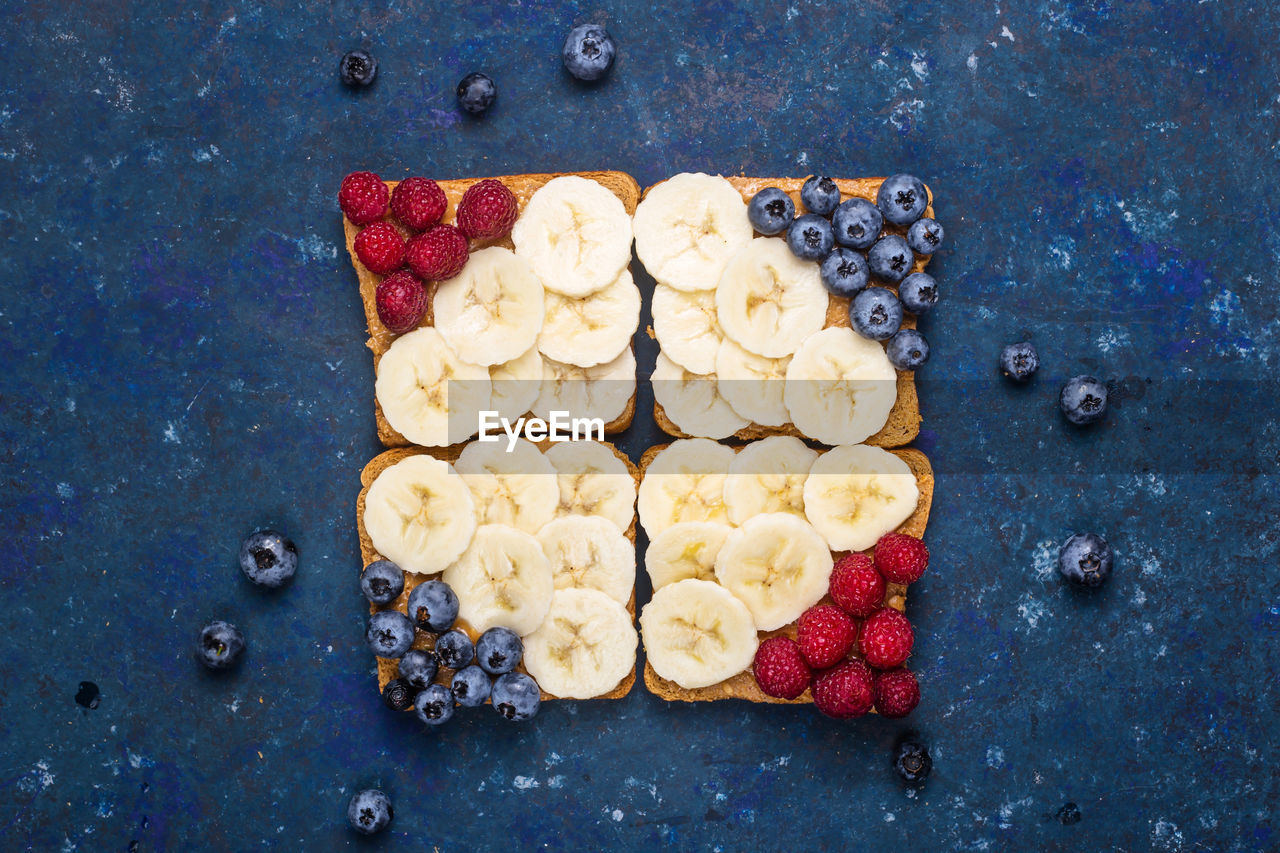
(183, 362)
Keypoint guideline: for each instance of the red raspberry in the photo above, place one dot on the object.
(780, 668)
(437, 254)
(825, 635)
(487, 211)
(896, 692)
(856, 585)
(844, 691)
(886, 638)
(418, 203)
(402, 301)
(380, 248)
(901, 558)
(363, 197)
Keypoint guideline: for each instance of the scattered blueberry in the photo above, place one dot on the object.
(470, 686)
(844, 272)
(918, 292)
(433, 606)
(907, 350)
(499, 650)
(434, 706)
(268, 558)
(771, 211)
(902, 199)
(925, 236)
(911, 760)
(418, 667)
(1085, 559)
(1019, 361)
(857, 223)
(382, 581)
(370, 811)
(398, 694)
(1068, 814)
(516, 696)
(390, 634)
(820, 195)
(588, 52)
(809, 237)
(1083, 400)
(220, 646)
(454, 649)
(876, 313)
(890, 259)
(476, 93)
(357, 68)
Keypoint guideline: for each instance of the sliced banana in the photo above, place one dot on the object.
(696, 633)
(601, 392)
(593, 329)
(685, 550)
(419, 514)
(855, 494)
(752, 384)
(503, 579)
(684, 322)
(768, 476)
(575, 234)
(692, 402)
(427, 393)
(593, 482)
(768, 300)
(687, 227)
(492, 311)
(777, 565)
(589, 552)
(585, 646)
(840, 387)
(516, 487)
(516, 384)
(684, 482)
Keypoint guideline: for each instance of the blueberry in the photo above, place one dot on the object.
(370, 811)
(902, 199)
(876, 313)
(433, 606)
(434, 706)
(1085, 559)
(1019, 361)
(382, 581)
(357, 68)
(220, 646)
(820, 195)
(588, 52)
(844, 272)
(390, 634)
(268, 558)
(857, 223)
(911, 760)
(476, 93)
(398, 694)
(907, 350)
(516, 696)
(418, 667)
(925, 236)
(454, 649)
(499, 650)
(1083, 400)
(771, 211)
(810, 238)
(890, 259)
(918, 292)
(470, 686)
(1068, 814)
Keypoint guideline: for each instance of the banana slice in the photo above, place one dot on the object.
(601, 392)
(593, 482)
(685, 550)
(693, 402)
(752, 384)
(428, 394)
(778, 565)
(585, 646)
(684, 322)
(687, 227)
(840, 387)
(856, 494)
(516, 384)
(697, 634)
(575, 234)
(419, 514)
(684, 482)
(517, 487)
(492, 311)
(593, 329)
(589, 552)
(502, 579)
(768, 476)
(768, 300)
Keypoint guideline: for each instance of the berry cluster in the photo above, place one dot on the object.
(269, 559)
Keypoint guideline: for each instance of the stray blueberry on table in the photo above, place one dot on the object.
(771, 211)
(1068, 814)
(516, 696)
(844, 272)
(857, 223)
(433, 606)
(499, 650)
(820, 195)
(454, 649)
(382, 581)
(876, 313)
(918, 292)
(925, 236)
(588, 52)
(1085, 559)
(911, 760)
(1019, 361)
(902, 199)
(907, 350)
(418, 667)
(809, 237)
(890, 259)
(268, 558)
(1083, 400)
(398, 694)
(369, 811)
(357, 68)
(476, 93)
(470, 686)
(220, 646)
(434, 706)
(390, 634)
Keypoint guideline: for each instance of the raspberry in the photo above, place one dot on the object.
(437, 254)
(856, 585)
(418, 203)
(363, 197)
(487, 211)
(380, 248)
(825, 635)
(886, 638)
(844, 691)
(780, 668)
(897, 693)
(402, 301)
(901, 558)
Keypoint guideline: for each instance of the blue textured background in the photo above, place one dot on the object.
(183, 361)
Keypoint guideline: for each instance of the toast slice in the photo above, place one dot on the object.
(523, 186)
(903, 424)
(388, 668)
(743, 685)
